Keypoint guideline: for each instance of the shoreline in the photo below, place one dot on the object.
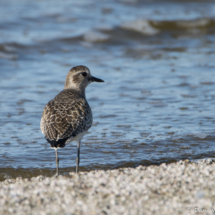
(184, 187)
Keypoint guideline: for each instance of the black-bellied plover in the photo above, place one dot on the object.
(68, 116)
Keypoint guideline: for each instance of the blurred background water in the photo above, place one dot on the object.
(158, 62)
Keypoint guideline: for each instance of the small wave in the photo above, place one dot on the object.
(141, 26)
(184, 24)
(95, 36)
(7, 52)
(8, 56)
(154, 27)
(198, 23)
(200, 135)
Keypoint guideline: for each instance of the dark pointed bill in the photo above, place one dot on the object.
(96, 79)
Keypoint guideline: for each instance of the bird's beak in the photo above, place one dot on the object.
(94, 79)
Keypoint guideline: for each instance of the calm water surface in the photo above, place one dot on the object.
(158, 100)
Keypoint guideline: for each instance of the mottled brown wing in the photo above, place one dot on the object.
(63, 120)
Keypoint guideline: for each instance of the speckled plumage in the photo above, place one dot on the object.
(64, 117)
(68, 116)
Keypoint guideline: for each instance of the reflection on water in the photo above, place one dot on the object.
(157, 103)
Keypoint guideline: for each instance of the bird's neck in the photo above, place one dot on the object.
(80, 91)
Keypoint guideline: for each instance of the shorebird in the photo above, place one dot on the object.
(68, 116)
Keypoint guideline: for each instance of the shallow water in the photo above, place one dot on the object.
(157, 102)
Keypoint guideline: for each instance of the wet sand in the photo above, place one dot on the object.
(184, 187)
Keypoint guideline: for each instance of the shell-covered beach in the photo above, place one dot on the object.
(151, 147)
(184, 187)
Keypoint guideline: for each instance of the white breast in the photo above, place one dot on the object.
(78, 137)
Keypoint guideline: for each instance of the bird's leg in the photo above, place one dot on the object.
(57, 163)
(78, 155)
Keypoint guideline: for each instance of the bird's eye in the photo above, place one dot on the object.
(84, 74)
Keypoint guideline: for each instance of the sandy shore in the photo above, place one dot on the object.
(179, 188)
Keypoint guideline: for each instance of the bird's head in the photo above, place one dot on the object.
(79, 77)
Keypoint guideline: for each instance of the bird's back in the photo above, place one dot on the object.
(65, 117)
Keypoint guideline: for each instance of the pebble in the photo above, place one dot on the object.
(183, 187)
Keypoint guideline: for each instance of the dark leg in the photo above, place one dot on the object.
(57, 162)
(78, 155)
